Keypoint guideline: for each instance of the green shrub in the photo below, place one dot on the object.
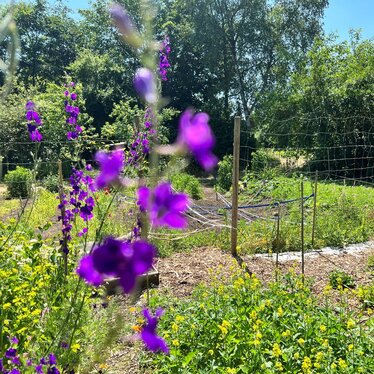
(51, 183)
(338, 278)
(224, 174)
(263, 160)
(18, 182)
(187, 183)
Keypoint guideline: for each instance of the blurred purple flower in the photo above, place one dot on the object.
(124, 24)
(149, 335)
(30, 105)
(73, 96)
(117, 258)
(164, 207)
(196, 134)
(88, 273)
(111, 165)
(145, 85)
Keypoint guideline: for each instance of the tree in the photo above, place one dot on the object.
(327, 109)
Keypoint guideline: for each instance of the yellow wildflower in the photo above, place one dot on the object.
(175, 342)
(301, 341)
(174, 327)
(179, 318)
(278, 366)
(350, 347)
(286, 334)
(136, 328)
(296, 356)
(75, 347)
(342, 363)
(280, 312)
(307, 364)
(211, 352)
(323, 328)
(351, 324)
(276, 350)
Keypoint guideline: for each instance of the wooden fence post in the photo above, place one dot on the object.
(302, 230)
(277, 244)
(314, 208)
(235, 189)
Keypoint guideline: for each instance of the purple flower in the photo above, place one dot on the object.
(164, 62)
(117, 258)
(53, 370)
(30, 105)
(35, 135)
(149, 335)
(164, 207)
(14, 371)
(10, 353)
(13, 340)
(73, 96)
(39, 369)
(33, 117)
(145, 85)
(88, 167)
(111, 165)
(196, 134)
(52, 359)
(124, 24)
(87, 271)
(16, 361)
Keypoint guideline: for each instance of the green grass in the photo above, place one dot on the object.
(8, 207)
(344, 215)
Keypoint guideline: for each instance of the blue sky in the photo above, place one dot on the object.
(340, 16)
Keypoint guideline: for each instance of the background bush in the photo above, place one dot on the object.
(51, 183)
(18, 182)
(224, 175)
(187, 183)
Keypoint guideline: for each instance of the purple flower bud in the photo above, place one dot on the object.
(124, 24)
(30, 105)
(145, 85)
(73, 96)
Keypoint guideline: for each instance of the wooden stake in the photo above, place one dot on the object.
(235, 183)
(277, 245)
(302, 230)
(314, 208)
(1, 168)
